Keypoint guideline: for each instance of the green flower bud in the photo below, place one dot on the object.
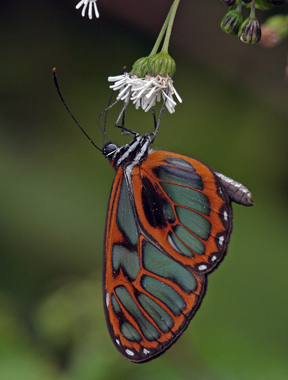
(163, 64)
(231, 22)
(140, 67)
(250, 31)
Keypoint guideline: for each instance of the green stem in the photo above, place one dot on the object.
(172, 13)
(252, 12)
(239, 6)
(160, 36)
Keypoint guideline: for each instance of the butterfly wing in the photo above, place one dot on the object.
(185, 209)
(168, 224)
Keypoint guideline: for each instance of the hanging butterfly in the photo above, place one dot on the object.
(168, 226)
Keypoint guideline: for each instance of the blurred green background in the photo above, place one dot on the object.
(55, 189)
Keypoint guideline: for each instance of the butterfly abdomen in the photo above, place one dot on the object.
(237, 192)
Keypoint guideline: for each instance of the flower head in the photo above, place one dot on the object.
(145, 92)
(92, 5)
(149, 82)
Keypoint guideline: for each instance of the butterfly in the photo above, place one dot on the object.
(168, 226)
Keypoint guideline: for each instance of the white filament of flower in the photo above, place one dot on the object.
(92, 6)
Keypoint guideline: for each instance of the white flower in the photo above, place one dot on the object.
(145, 92)
(92, 4)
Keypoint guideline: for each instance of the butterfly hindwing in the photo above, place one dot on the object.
(184, 208)
(167, 222)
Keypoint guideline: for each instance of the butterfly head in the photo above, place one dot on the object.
(109, 150)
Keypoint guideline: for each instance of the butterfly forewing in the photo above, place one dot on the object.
(168, 224)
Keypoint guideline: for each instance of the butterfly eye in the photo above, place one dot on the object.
(109, 149)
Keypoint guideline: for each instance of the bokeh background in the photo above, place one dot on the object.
(55, 188)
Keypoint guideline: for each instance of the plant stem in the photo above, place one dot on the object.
(252, 12)
(239, 6)
(160, 36)
(172, 13)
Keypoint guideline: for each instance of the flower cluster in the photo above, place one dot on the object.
(248, 30)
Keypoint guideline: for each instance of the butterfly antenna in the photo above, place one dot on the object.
(70, 113)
